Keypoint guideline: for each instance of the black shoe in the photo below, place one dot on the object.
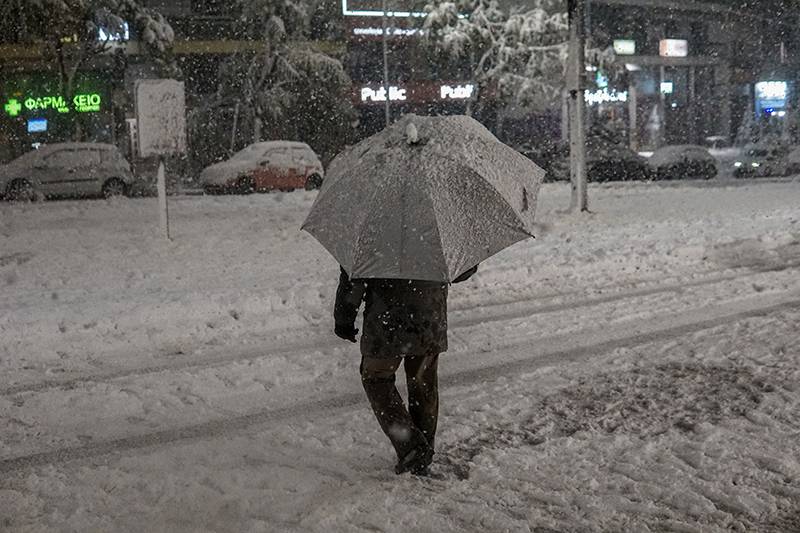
(416, 461)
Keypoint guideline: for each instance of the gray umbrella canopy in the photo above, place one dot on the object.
(425, 199)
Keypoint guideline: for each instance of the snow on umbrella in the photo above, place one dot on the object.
(426, 199)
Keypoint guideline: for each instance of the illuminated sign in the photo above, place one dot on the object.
(81, 103)
(771, 97)
(772, 90)
(667, 87)
(36, 125)
(377, 8)
(374, 8)
(86, 103)
(45, 103)
(13, 107)
(624, 47)
(459, 92)
(673, 48)
(395, 32)
(396, 94)
(605, 96)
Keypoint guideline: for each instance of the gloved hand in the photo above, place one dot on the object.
(346, 332)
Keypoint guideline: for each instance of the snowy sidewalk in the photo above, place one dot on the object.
(634, 370)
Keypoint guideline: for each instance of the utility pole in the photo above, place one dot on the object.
(633, 128)
(386, 87)
(576, 72)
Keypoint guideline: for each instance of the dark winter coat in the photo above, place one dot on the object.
(401, 317)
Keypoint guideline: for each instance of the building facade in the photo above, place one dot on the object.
(697, 72)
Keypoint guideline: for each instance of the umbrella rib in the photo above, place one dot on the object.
(429, 197)
(371, 209)
(493, 190)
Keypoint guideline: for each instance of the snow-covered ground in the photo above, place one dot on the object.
(633, 369)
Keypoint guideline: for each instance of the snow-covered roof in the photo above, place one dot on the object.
(267, 145)
(76, 146)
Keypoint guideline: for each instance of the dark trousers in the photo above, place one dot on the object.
(406, 428)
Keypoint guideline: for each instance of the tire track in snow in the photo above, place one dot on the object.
(665, 330)
(191, 362)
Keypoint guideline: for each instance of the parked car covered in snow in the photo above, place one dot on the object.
(265, 166)
(684, 161)
(605, 161)
(614, 162)
(67, 169)
(762, 160)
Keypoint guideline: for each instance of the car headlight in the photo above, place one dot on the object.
(756, 165)
(737, 164)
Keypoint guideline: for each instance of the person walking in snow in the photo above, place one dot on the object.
(405, 322)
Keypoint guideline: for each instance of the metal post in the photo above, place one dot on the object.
(235, 126)
(163, 208)
(633, 128)
(662, 108)
(692, 104)
(386, 86)
(577, 138)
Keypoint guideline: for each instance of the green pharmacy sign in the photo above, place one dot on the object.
(46, 103)
(13, 107)
(86, 103)
(81, 103)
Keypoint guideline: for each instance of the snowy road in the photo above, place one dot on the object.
(635, 370)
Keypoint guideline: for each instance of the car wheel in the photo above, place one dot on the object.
(114, 187)
(245, 185)
(314, 181)
(21, 191)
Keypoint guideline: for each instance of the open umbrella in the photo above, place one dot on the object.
(426, 199)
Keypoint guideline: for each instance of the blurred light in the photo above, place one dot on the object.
(624, 47)
(630, 67)
(673, 48)
(36, 125)
(118, 36)
(781, 114)
(737, 164)
(377, 12)
(772, 90)
(601, 80)
(674, 105)
(756, 165)
(590, 68)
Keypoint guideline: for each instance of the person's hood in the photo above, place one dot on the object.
(224, 172)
